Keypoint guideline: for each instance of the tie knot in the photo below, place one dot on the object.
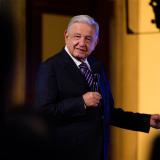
(83, 65)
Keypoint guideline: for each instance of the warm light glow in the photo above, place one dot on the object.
(149, 79)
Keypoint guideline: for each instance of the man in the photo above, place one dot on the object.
(79, 117)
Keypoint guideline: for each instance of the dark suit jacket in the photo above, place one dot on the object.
(79, 133)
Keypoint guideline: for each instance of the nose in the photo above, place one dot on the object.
(82, 42)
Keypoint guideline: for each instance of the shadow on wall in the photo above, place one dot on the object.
(156, 149)
(156, 9)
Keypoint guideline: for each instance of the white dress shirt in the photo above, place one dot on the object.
(75, 60)
(77, 63)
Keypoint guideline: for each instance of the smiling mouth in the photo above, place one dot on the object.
(80, 49)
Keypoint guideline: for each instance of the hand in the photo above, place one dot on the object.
(91, 99)
(155, 121)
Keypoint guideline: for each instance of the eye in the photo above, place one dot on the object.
(88, 39)
(77, 37)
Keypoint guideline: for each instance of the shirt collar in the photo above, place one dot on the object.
(75, 60)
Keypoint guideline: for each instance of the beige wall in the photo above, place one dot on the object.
(135, 76)
(124, 80)
(149, 77)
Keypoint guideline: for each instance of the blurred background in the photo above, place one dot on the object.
(33, 30)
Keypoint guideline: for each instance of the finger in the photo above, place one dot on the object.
(98, 97)
(97, 103)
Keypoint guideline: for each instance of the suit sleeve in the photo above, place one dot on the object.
(47, 97)
(127, 120)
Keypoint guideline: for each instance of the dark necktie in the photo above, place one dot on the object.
(87, 73)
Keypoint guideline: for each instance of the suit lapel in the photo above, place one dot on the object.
(72, 70)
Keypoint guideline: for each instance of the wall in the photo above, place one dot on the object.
(53, 28)
(134, 76)
(149, 77)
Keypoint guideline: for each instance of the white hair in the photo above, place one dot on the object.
(84, 19)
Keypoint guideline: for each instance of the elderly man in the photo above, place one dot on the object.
(80, 117)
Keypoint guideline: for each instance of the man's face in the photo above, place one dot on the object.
(81, 40)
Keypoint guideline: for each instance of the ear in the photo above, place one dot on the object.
(96, 42)
(66, 35)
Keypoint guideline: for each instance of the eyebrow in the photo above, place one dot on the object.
(85, 36)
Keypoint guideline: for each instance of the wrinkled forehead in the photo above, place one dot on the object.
(84, 28)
